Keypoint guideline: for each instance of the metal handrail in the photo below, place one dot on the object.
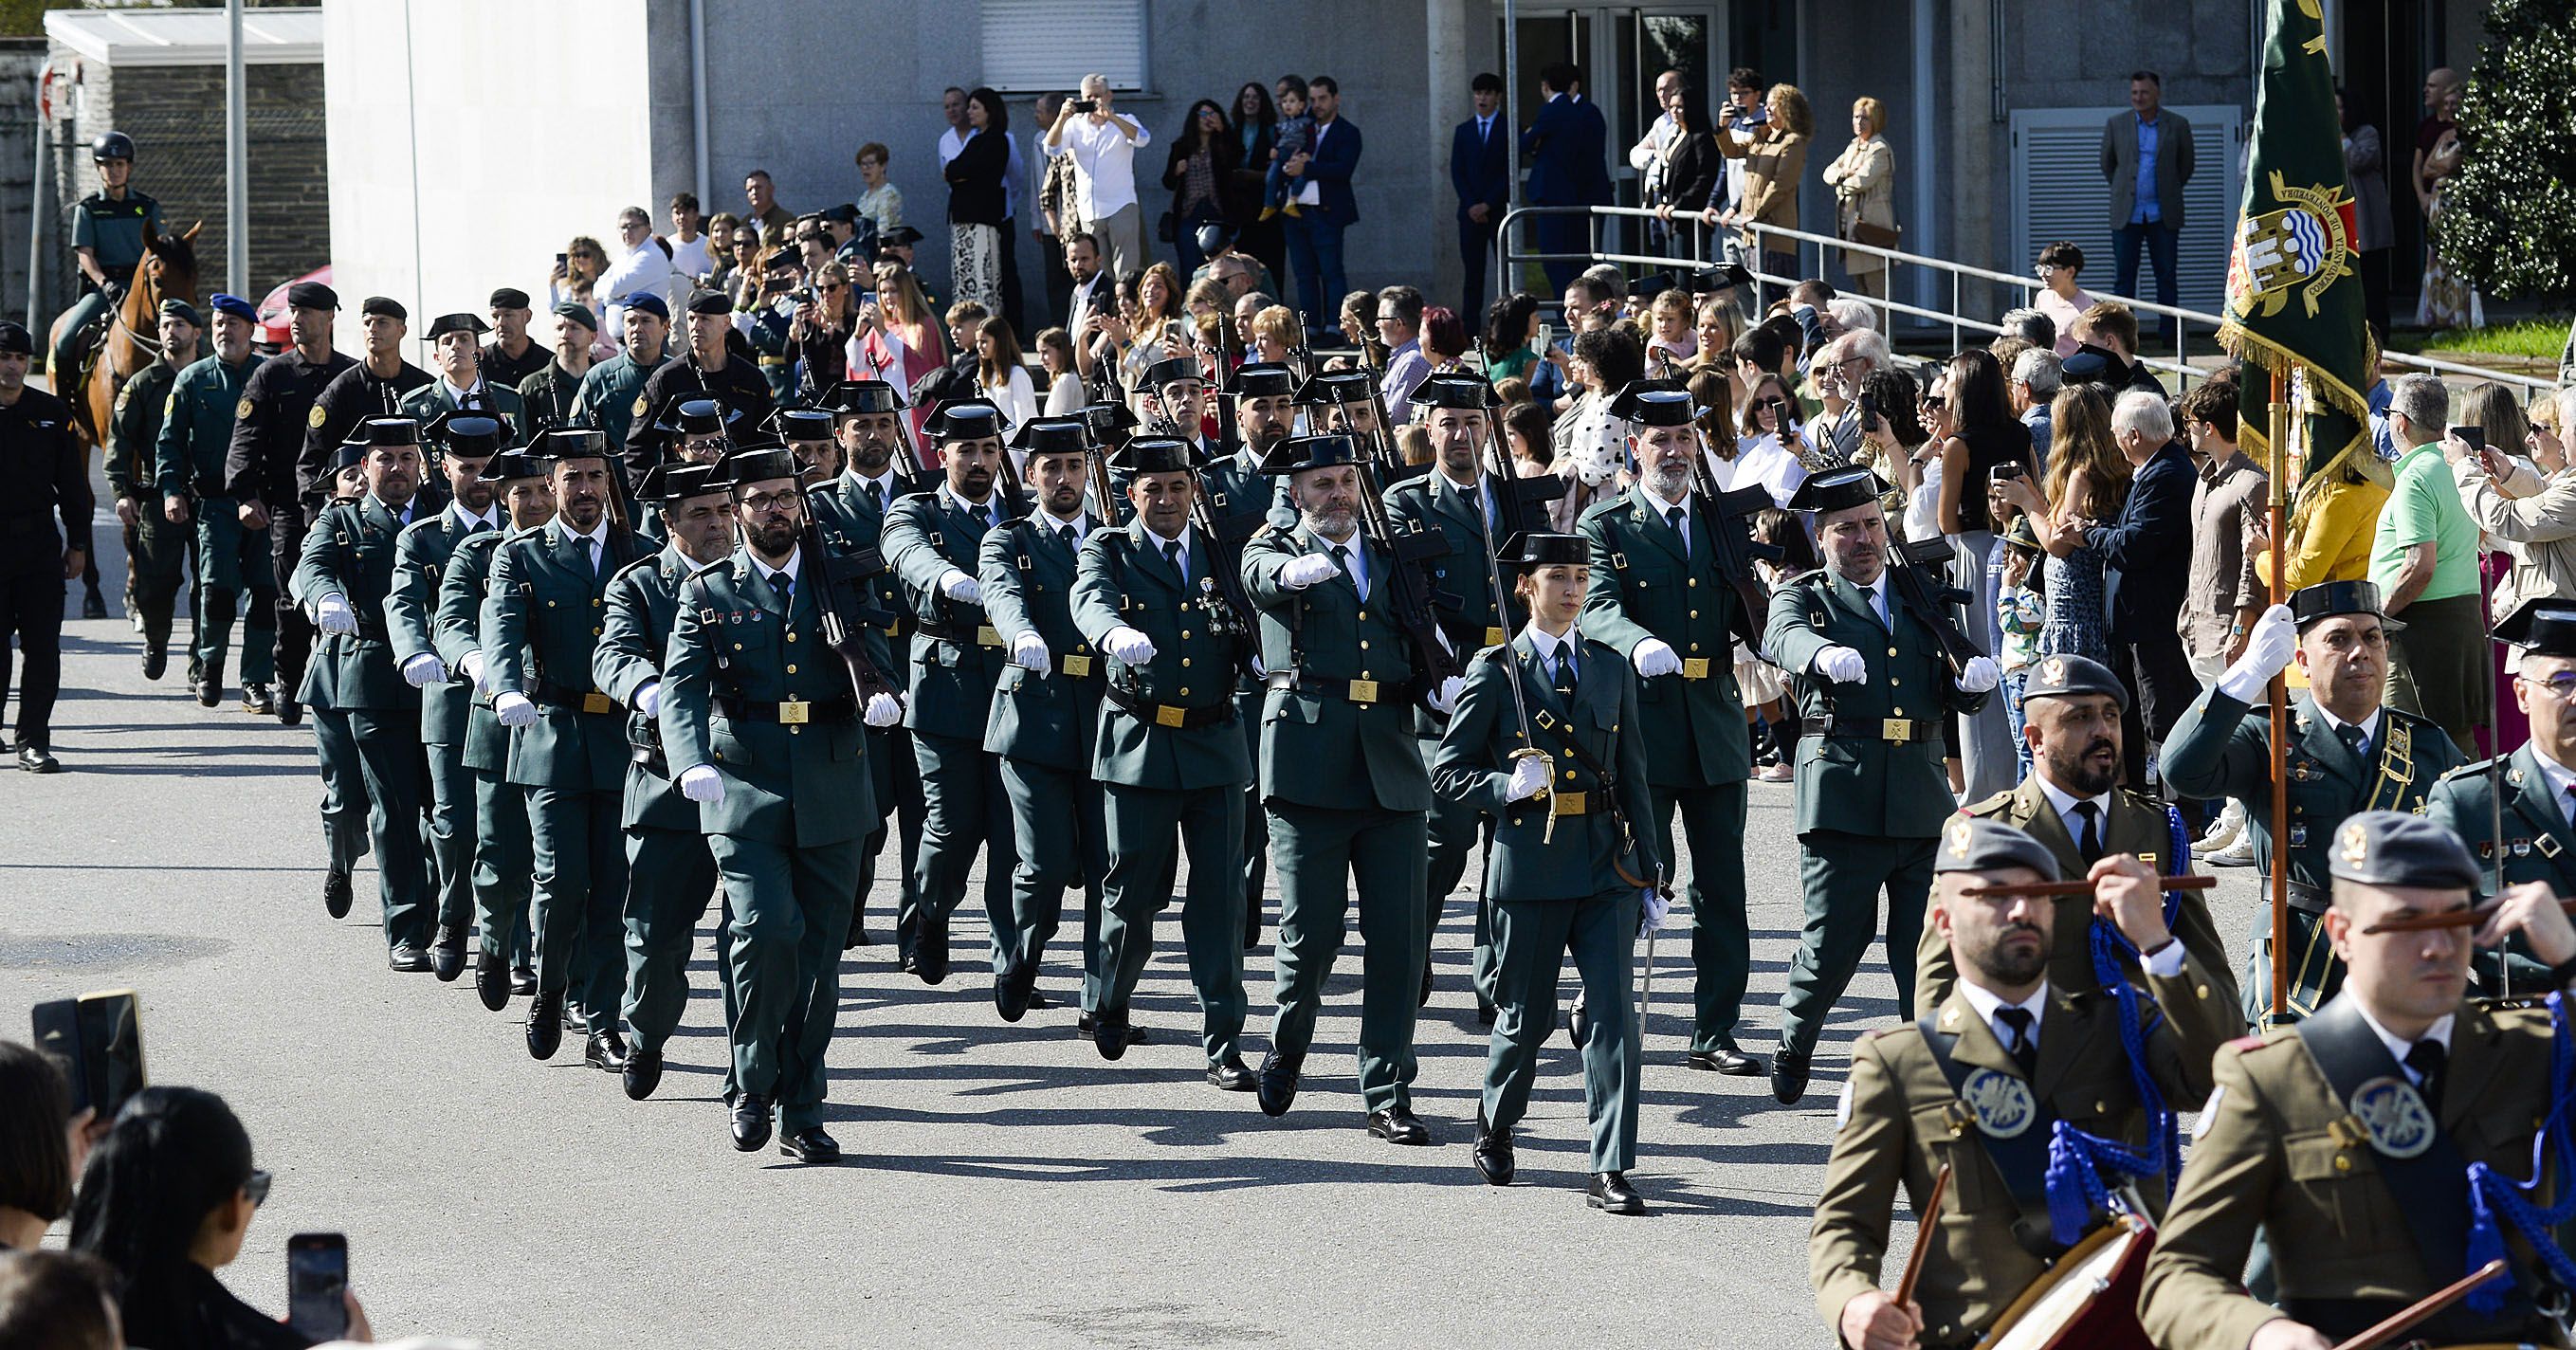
(2178, 364)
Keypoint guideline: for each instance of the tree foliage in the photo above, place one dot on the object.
(2508, 221)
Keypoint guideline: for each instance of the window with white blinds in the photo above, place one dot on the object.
(2058, 193)
(1031, 46)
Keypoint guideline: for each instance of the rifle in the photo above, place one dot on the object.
(1229, 354)
(1522, 503)
(1410, 597)
(843, 600)
(1931, 599)
(1722, 517)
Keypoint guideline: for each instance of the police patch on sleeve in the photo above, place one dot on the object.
(2001, 1103)
(315, 421)
(241, 410)
(639, 405)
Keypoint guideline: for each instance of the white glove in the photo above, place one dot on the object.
(1979, 675)
(2267, 653)
(1445, 697)
(1028, 652)
(884, 710)
(1529, 778)
(1841, 665)
(334, 616)
(423, 670)
(648, 698)
(1129, 645)
(702, 784)
(1305, 570)
(475, 669)
(1652, 906)
(514, 710)
(1654, 657)
(960, 587)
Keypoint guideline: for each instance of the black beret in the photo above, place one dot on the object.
(2397, 848)
(311, 295)
(1976, 844)
(508, 297)
(710, 302)
(571, 311)
(2073, 677)
(385, 305)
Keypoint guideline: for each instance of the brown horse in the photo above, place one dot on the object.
(168, 272)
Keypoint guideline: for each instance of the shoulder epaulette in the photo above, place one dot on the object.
(1602, 507)
(1989, 807)
(2475, 769)
(647, 560)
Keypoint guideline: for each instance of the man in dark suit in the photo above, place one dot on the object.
(1327, 207)
(1567, 168)
(1480, 168)
(2146, 557)
(2146, 158)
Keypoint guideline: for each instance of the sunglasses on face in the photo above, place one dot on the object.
(254, 1187)
(1777, 405)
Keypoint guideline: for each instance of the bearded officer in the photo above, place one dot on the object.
(2355, 1139)
(1980, 1085)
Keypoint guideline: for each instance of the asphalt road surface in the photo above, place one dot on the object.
(1004, 1185)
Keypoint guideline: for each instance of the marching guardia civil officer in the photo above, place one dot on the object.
(1168, 756)
(2535, 782)
(234, 577)
(2073, 803)
(2356, 1139)
(422, 552)
(762, 729)
(1661, 595)
(878, 470)
(157, 545)
(1046, 710)
(1241, 499)
(273, 486)
(933, 541)
(1560, 766)
(1873, 687)
(2348, 751)
(670, 871)
(504, 850)
(1343, 781)
(363, 709)
(460, 385)
(1988, 1082)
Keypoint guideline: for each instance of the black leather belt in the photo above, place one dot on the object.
(1895, 730)
(2308, 899)
(787, 712)
(984, 635)
(1169, 714)
(1356, 691)
(555, 695)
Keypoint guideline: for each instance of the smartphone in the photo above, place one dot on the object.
(2005, 473)
(1084, 105)
(864, 299)
(562, 260)
(2475, 436)
(1546, 338)
(99, 1040)
(317, 1285)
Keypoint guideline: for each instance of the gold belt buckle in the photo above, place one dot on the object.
(1363, 691)
(1165, 715)
(1077, 665)
(1896, 728)
(597, 702)
(1570, 804)
(793, 712)
(988, 636)
(1494, 637)
(1695, 668)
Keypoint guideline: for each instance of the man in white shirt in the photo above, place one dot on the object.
(642, 269)
(689, 255)
(1104, 145)
(1647, 156)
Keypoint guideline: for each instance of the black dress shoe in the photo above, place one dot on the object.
(492, 978)
(210, 693)
(408, 958)
(93, 604)
(1084, 1025)
(750, 1121)
(259, 700)
(1726, 1059)
(545, 1026)
(1612, 1194)
(605, 1051)
(1788, 1076)
(336, 893)
(1011, 992)
(1278, 1087)
(35, 759)
(447, 955)
(1423, 999)
(1039, 1002)
(290, 713)
(1486, 1013)
(1494, 1161)
(523, 979)
(858, 936)
(810, 1145)
(156, 660)
(1397, 1125)
(1230, 1075)
(1109, 1034)
(1578, 1025)
(572, 1016)
(642, 1074)
(930, 956)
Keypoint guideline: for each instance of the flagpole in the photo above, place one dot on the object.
(2280, 699)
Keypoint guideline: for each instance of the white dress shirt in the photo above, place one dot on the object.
(1104, 161)
(467, 521)
(1988, 1003)
(989, 510)
(2439, 1034)
(885, 484)
(1358, 565)
(2370, 734)
(1545, 645)
(597, 538)
(1664, 515)
(2561, 779)
(2064, 803)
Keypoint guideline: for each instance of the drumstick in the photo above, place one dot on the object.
(2079, 886)
(2449, 918)
(1923, 1229)
(2422, 1308)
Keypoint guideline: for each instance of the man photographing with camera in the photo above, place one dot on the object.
(1104, 145)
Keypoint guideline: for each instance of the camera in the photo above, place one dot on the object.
(1084, 105)
(803, 295)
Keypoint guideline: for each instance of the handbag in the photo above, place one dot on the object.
(1167, 227)
(1876, 236)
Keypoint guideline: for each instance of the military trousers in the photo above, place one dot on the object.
(1454, 828)
(156, 569)
(791, 911)
(963, 809)
(344, 792)
(671, 876)
(1248, 702)
(1721, 938)
(2315, 973)
(580, 898)
(1324, 854)
(1148, 828)
(897, 780)
(504, 855)
(452, 835)
(1061, 841)
(234, 581)
(1532, 939)
(293, 631)
(31, 611)
(387, 748)
(1843, 875)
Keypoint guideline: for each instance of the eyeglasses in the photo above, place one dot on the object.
(254, 1187)
(2561, 686)
(830, 286)
(1776, 405)
(2044, 271)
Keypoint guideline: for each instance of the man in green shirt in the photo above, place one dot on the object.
(2424, 560)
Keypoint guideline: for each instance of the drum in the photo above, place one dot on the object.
(2087, 1300)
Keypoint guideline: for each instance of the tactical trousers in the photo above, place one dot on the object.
(580, 883)
(963, 809)
(287, 526)
(386, 747)
(1721, 937)
(791, 910)
(671, 875)
(233, 580)
(1454, 827)
(31, 610)
(1531, 941)
(1325, 854)
(452, 835)
(898, 780)
(1843, 875)
(1061, 841)
(156, 567)
(1147, 827)
(504, 855)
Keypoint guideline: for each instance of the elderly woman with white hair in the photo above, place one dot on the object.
(2526, 506)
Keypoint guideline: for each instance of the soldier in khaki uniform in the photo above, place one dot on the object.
(1980, 1085)
(2074, 805)
(2347, 1138)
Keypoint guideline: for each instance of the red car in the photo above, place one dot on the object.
(272, 335)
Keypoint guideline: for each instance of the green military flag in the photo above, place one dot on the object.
(2294, 298)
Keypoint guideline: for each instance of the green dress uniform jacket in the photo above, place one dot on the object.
(957, 654)
(504, 844)
(2538, 844)
(1319, 740)
(1124, 579)
(197, 428)
(1901, 1122)
(2137, 824)
(134, 433)
(1027, 572)
(1432, 502)
(350, 551)
(1240, 496)
(643, 608)
(2277, 1149)
(1645, 585)
(543, 612)
(422, 552)
(1861, 783)
(431, 399)
(1475, 767)
(608, 398)
(457, 628)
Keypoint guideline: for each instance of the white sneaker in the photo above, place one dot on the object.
(2238, 853)
(2221, 835)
